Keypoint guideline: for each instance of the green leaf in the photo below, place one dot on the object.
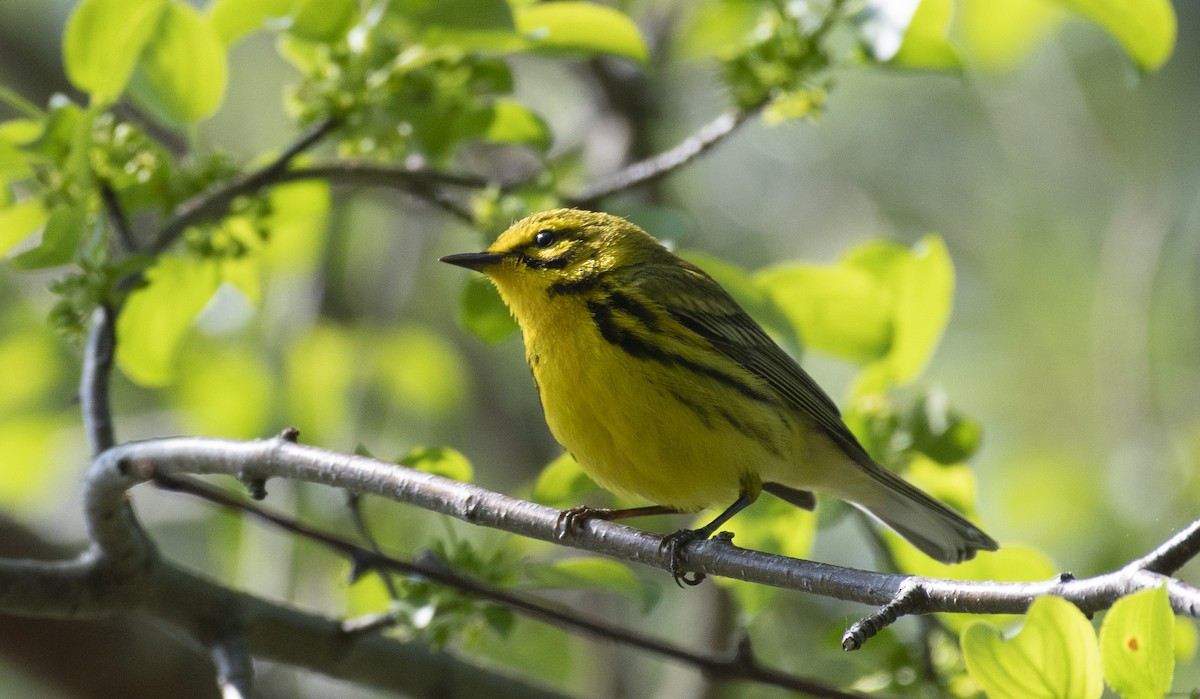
(18, 221)
(420, 371)
(922, 284)
(151, 326)
(455, 14)
(562, 483)
(103, 40)
(224, 392)
(580, 28)
(995, 36)
(296, 225)
(483, 313)
(838, 310)
(320, 368)
(941, 432)
(512, 122)
(182, 74)
(234, 19)
(1144, 28)
(60, 239)
(925, 44)
(593, 573)
(1137, 645)
(440, 461)
(15, 159)
(1054, 656)
(322, 21)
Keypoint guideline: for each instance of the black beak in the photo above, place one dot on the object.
(473, 260)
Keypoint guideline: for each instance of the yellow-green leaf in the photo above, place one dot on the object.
(420, 370)
(440, 461)
(60, 239)
(580, 28)
(233, 19)
(925, 44)
(838, 310)
(224, 392)
(512, 122)
(593, 572)
(1137, 645)
(562, 483)
(182, 73)
(1054, 656)
(102, 43)
(482, 312)
(1144, 28)
(151, 326)
(321, 366)
(996, 36)
(18, 221)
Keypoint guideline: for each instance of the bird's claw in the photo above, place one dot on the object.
(673, 545)
(571, 519)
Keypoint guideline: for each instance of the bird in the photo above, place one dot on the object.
(664, 389)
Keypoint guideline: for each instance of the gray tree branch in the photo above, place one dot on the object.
(122, 467)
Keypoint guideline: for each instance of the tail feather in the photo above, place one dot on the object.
(923, 521)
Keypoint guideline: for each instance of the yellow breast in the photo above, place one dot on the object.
(647, 427)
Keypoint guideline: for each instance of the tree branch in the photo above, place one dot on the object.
(656, 166)
(122, 467)
(215, 202)
(94, 379)
(741, 667)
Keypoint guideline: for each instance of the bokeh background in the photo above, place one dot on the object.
(1066, 187)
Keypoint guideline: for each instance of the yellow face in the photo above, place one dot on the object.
(559, 247)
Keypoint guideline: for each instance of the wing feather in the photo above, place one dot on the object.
(699, 303)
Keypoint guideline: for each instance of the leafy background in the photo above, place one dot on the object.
(1060, 182)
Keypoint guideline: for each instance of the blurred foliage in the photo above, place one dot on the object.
(283, 309)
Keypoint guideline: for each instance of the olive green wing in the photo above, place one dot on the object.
(700, 304)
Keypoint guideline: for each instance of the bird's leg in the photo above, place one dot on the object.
(570, 520)
(674, 543)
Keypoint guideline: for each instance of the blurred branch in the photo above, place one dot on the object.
(898, 595)
(122, 572)
(668, 161)
(215, 202)
(116, 214)
(94, 380)
(742, 667)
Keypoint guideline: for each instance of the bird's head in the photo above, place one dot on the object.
(555, 248)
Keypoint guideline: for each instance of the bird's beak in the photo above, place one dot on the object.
(473, 260)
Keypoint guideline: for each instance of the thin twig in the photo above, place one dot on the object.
(354, 504)
(116, 214)
(94, 380)
(661, 164)
(215, 202)
(738, 668)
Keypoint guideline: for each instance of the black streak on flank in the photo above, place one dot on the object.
(635, 346)
(623, 302)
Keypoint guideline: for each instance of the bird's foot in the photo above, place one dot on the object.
(570, 520)
(673, 544)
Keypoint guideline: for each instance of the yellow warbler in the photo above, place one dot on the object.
(663, 388)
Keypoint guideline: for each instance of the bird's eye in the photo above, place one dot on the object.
(544, 238)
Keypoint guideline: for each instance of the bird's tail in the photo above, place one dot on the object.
(923, 521)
